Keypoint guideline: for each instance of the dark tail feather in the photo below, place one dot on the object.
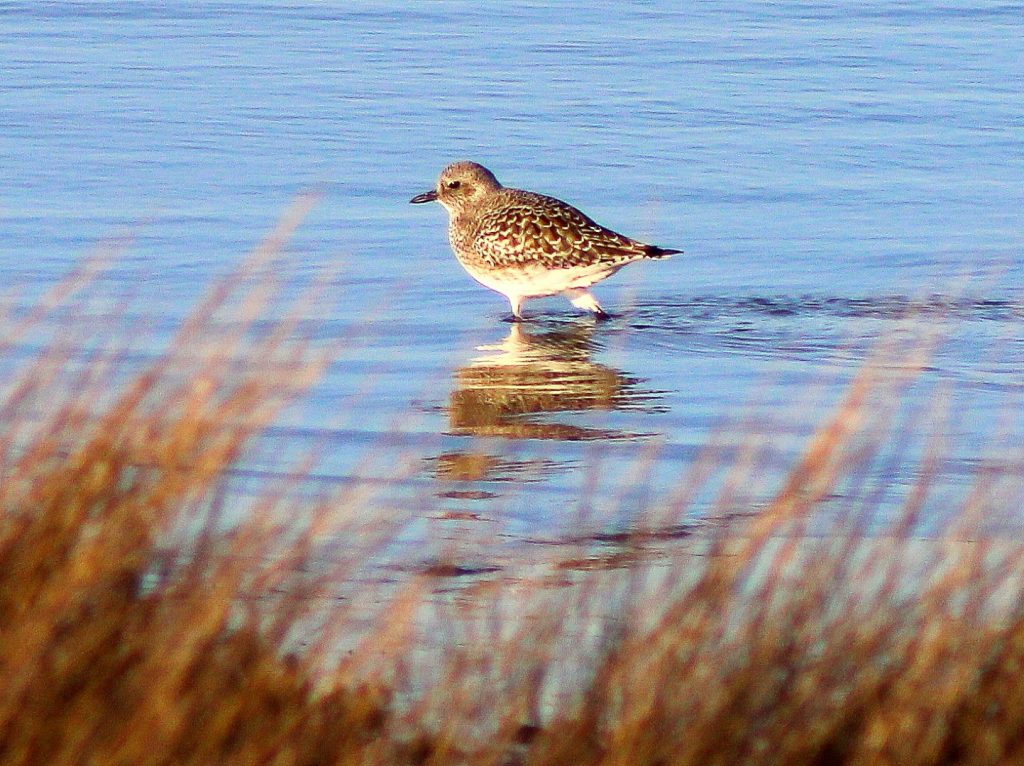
(653, 251)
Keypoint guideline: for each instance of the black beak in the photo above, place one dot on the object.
(430, 196)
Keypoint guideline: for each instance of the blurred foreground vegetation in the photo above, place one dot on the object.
(775, 647)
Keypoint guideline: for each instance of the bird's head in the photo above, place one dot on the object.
(461, 185)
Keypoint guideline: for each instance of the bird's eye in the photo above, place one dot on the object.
(454, 184)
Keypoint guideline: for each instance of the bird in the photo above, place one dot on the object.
(528, 245)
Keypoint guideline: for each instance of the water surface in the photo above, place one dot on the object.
(828, 169)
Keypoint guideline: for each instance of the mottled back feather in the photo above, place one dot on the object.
(518, 227)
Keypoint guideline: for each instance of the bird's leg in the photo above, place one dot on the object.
(581, 299)
(517, 307)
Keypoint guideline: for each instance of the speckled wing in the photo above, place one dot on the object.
(529, 228)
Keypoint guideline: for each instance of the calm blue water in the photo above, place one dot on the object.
(826, 167)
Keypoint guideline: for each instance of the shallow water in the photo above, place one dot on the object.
(828, 169)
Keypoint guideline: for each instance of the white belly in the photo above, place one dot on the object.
(541, 282)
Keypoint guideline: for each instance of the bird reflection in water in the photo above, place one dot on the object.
(537, 384)
(510, 391)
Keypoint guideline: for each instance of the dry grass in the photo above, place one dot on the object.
(771, 647)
